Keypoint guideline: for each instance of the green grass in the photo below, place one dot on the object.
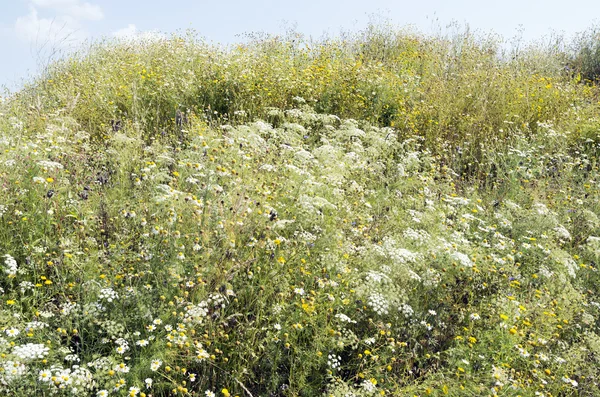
(384, 214)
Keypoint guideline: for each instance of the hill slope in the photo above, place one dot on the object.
(364, 218)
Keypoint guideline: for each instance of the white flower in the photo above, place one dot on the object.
(108, 294)
(378, 303)
(462, 258)
(368, 386)
(209, 393)
(121, 368)
(11, 265)
(345, 318)
(155, 365)
(333, 361)
(31, 351)
(12, 332)
(45, 376)
(148, 382)
(102, 393)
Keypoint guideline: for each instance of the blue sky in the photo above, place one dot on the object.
(31, 29)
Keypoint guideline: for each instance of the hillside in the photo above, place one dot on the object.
(387, 214)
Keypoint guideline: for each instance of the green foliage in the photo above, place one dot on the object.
(383, 214)
(448, 90)
(586, 56)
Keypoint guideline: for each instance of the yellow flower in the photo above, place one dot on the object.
(225, 392)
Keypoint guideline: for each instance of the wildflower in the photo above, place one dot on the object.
(108, 294)
(11, 265)
(369, 385)
(209, 393)
(148, 382)
(45, 376)
(333, 361)
(122, 368)
(572, 382)
(31, 351)
(378, 303)
(12, 332)
(155, 365)
(102, 393)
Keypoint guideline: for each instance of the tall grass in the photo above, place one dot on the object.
(383, 213)
(450, 90)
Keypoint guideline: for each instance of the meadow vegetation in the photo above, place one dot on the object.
(382, 213)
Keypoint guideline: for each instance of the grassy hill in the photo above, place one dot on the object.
(384, 214)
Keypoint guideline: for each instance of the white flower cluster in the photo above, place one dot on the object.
(419, 236)
(562, 233)
(50, 165)
(431, 278)
(122, 346)
(390, 250)
(75, 378)
(368, 386)
(378, 303)
(345, 318)
(67, 308)
(377, 277)
(333, 361)
(26, 286)
(11, 265)
(30, 351)
(406, 309)
(196, 313)
(463, 259)
(11, 370)
(108, 294)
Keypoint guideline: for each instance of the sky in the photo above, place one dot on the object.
(32, 32)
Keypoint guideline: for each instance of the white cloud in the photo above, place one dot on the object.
(131, 33)
(60, 24)
(60, 31)
(73, 8)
